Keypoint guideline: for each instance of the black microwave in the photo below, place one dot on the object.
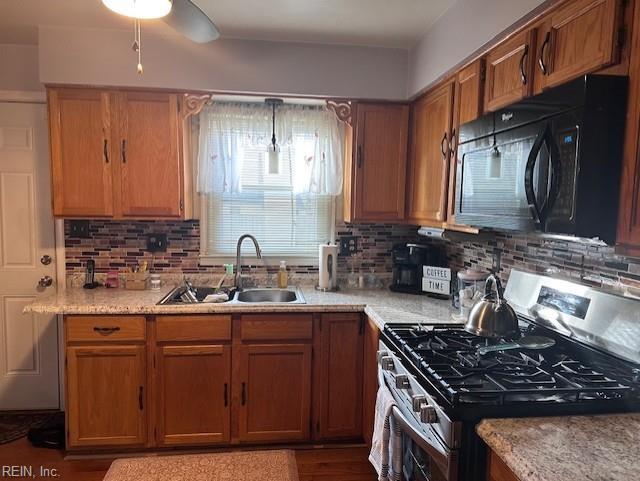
(550, 163)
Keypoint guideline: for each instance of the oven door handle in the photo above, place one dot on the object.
(445, 459)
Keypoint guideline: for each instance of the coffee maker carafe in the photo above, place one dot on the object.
(408, 261)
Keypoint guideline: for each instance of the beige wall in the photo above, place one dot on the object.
(464, 28)
(19, 68)
(104, 57)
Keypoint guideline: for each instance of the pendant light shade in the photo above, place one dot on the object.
(274, 149)
(141, 9)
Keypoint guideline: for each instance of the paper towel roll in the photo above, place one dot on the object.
(328, 266)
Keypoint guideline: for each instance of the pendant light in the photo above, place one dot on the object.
(138, 10)
(274, 149)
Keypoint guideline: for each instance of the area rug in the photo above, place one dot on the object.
(15, 424)
(237, 466)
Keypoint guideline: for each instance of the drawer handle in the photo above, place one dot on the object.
(244, 393)
(106, 330)
(226, 394)
(140, 404)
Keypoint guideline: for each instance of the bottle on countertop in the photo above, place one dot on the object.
(283, 276)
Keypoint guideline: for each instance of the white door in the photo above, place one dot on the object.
(28, 342)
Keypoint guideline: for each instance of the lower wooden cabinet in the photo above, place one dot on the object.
(273, 385)
(194, 383)
(370, 379)
(198, 380)
(497, 470)
(106, 395)
(339, 382)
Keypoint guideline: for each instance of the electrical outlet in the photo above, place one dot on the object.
(157, 242)
(79, 229)
(348, 245)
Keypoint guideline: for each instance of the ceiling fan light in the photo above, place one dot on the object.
(143, 9)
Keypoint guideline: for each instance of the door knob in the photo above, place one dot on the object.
(46, 259)
(45, 281)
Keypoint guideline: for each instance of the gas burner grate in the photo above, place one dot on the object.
(448, 357)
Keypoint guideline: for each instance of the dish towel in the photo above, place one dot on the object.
(386, 445)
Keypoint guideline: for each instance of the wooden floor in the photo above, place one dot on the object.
(336, 464)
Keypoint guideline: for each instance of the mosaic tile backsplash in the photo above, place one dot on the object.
(116, 245)
(581, 261)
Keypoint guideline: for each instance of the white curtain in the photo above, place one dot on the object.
(312, 137)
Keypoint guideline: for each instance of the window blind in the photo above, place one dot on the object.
(285, 223)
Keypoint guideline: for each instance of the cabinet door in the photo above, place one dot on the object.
(468, 106)
(578, 38)
(509, 71)
(429, 158)
(81, 152)
(148, 156)
(340, 383)
(380, 161)
(106, 396)
(273, 387)
(193, 394)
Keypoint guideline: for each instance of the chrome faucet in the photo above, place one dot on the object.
(238, 275)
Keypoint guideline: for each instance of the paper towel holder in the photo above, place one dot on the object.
(331, 267)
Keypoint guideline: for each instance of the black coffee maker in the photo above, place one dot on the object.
(408, 260)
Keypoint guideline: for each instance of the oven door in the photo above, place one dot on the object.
(426, 457)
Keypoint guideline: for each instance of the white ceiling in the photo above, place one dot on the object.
(386, 23)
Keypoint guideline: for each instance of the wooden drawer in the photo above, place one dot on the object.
(105, 328)
(276, 327)
(193, 328)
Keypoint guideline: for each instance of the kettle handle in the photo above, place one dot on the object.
(493, 281)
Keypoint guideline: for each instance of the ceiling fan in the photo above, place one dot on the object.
(183, 16)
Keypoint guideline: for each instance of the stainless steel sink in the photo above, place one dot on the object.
(183, 295)
(269, 296)
(195, 295)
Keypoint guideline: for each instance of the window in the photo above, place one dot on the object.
(277, 201)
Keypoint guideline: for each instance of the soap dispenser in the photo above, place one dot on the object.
(283, 280)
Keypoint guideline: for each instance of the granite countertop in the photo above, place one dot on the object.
(586, 448)
(380, 305)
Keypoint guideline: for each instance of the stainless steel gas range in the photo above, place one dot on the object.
(443, 386)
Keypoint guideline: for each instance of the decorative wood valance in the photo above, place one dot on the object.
(342, 109)
(193, 104)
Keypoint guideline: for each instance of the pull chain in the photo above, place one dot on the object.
(137, 45)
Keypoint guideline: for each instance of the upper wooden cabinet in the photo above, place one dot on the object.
(469, 85)
(340, 376)
(81, 152)
(148, 154)
(509, 67)
(115, 154)
(628, 239)
(431, 118)
(375, 166)
(579, 37)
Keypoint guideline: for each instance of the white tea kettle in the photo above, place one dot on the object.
(492, 316)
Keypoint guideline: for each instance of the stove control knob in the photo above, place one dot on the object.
(428, 414)
(382, 354)
(402, 381)
(417, 400)
(387, 363)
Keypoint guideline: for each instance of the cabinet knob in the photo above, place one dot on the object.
(45, 281)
